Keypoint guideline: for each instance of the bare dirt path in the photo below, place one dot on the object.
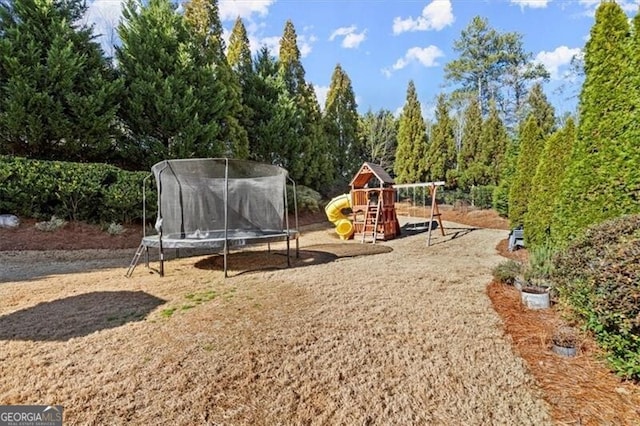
(403, 335)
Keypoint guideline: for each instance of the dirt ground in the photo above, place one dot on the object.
(391, 333)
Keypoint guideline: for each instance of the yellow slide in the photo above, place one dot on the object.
(333, 210)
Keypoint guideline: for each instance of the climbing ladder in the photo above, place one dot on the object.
(371, 217)
(135, 260)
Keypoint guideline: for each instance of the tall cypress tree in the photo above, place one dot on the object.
(545, 185)
(471, 169)
(59, 96)
(203, 22)
(602, 180)
(441, 155)
(531, 147)
(493, 146)
(307, 151)
(410, 165)
(240, 61)
(340, 118)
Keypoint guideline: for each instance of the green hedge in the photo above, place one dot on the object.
(77, 191)
(598, 277)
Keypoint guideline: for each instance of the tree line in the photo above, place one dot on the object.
(175, 90)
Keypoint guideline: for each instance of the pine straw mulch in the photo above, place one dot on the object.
(581, 390)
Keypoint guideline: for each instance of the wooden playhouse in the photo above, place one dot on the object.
(373, 204)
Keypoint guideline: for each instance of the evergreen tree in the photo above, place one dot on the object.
(59, 96)
(441, 155)
(340, 118)
(545, 186)
(531, 147)
(173, 106)
(493, 145)
(240, 61)
(273, 111)
(471, 168)
(410, 165)
(539, 106)
(239, 52)
(205, 28)
(378, 133)
(602, 180)
(307, 151)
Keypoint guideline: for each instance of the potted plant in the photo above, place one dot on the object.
(536, 285)
(565, 341)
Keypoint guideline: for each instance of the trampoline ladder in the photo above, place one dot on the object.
(134, 261)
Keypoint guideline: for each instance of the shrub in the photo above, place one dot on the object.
(598, 276)
(308, 199)
(115, 229)
(482, 196)
(51, 225)
(77, 191)
(506, 272)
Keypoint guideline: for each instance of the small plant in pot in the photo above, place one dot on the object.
(508, 272)
(565, 341)
(537, 283)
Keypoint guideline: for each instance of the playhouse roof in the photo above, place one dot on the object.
(367, 171)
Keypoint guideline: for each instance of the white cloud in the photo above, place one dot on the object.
(426, 56)
(352, 39)
(321, 94)
(305, 44)
(556, 59)
(435, 16)
(231, 9)
(534, 4)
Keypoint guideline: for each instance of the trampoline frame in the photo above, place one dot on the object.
(225, 238)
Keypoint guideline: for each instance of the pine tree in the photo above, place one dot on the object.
(59, 95)
(441, 155)
(602, 180)
(545, 185)
(410, 165)
(205, 28)
(340, 118)
(471, 168)
(531, 147)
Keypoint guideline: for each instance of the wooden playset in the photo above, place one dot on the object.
(373, 204)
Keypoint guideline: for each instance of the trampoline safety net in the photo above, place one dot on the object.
(210, 195)
(219, 203)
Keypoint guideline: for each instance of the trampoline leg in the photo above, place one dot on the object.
(288, 255)
(269, 248)
(161, 264)
(297, 248)
(225, 262)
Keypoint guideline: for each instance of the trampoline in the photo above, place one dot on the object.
(220, 204)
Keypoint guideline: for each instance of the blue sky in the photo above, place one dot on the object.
(382, 44)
